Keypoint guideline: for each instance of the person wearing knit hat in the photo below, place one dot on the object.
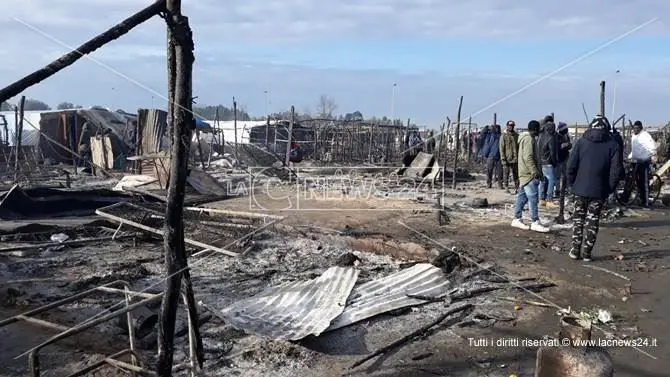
(563, 153)
(593, 172)
(548, 151)
(530, 175)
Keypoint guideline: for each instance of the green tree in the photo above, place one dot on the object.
(65, 106)
(32, 104)
(225, 113)
(356, 116)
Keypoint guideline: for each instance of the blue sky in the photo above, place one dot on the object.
(297, 50)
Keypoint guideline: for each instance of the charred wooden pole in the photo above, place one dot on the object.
(458, 145)
(200, 154)
(586, 115)
(182, 123)
(19, 137)
(267, 132)
(12, 150)
(560, 218)
(68, 59)
(602, 98)
(217, 125)
(469, 141)
(4, 128)
(237, 156)
(289, 137)
(439, 145)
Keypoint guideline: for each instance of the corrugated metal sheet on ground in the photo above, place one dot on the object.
(295, 310)
(205, 184)
(391, 292)
(420, 165)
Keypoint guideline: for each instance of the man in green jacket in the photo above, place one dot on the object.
(508, 154)
(530, 176)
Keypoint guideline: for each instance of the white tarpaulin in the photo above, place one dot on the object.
(29, 136)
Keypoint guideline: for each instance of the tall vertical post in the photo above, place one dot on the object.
(267, 131)
(274, 149)
(560, 218)
(440, 143)
(458, 130)
(371, 141)
(495, 118)
(19, 137)
(237, 156)
(469, 141)
(602, 98)
(290, 136)
(182, 123)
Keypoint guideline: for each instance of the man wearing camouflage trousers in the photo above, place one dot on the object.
(593, 170)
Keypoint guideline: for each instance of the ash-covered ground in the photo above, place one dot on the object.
(278, 254)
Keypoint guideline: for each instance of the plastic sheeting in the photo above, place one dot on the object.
(30, 136)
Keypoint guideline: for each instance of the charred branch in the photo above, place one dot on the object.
(68, 59)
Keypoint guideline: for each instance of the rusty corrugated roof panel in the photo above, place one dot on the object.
(295, 310)
(391, 293)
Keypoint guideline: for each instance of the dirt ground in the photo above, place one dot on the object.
(636, 246)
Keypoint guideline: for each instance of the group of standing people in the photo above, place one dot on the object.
(593, 168)
(500, 149)
(500, 152)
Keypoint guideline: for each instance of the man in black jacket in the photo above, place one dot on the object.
(564, 147)
(594, 168)
(548, 151)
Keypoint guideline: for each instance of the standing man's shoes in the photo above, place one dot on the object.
(574, 254)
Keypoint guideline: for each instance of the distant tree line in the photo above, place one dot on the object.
(31, 104)
(325, 109)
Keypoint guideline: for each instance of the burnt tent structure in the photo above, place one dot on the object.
(274, 136)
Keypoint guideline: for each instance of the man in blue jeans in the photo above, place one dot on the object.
(548, 159)
(530, 176)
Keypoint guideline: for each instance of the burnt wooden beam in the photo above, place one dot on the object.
(19, 137)
(68, 59)
(181, 123)
(602, 98)
(456, 139)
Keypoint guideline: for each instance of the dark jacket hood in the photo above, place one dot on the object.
(550, 127)
(597, 135)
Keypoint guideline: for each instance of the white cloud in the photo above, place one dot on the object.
(261, 23)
